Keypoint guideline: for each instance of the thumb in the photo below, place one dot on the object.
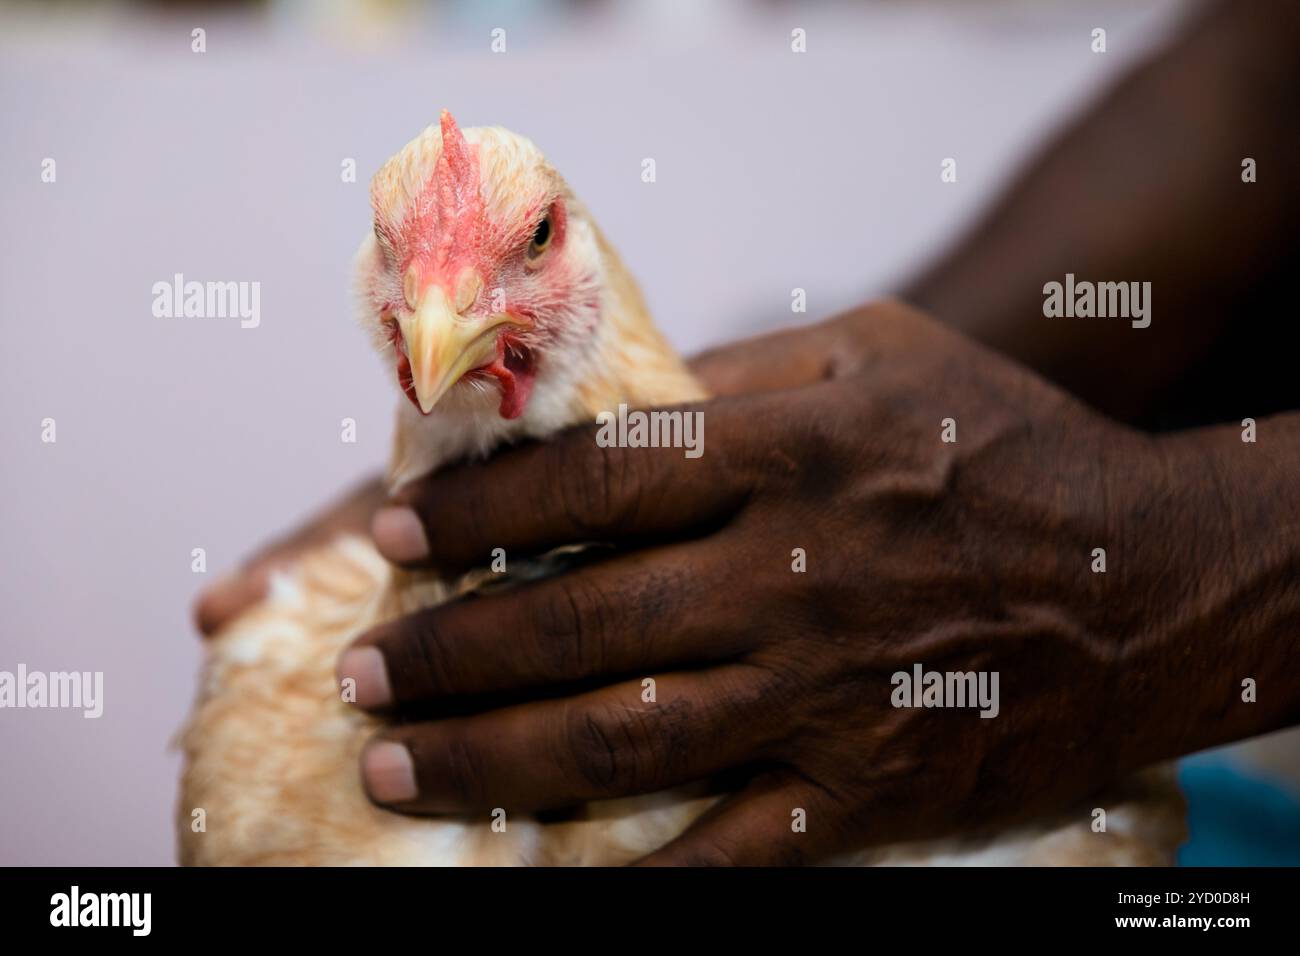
(797, 357)
(765, 363)
(573, 489)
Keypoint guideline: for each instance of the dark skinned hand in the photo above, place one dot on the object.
(973, 555)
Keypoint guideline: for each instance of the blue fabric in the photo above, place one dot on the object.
(1236, 818)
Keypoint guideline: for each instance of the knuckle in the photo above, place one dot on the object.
(435, 661)
(598, 487)
(711, 851)
(461, 770)
(423, 661)
(601, 750)
(570, 618)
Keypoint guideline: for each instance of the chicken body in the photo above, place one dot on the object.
(272, 750)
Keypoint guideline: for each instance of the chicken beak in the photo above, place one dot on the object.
(442, 345)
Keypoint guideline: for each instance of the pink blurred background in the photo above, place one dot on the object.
(775, 170)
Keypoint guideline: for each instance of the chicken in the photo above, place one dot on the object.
(505, 314)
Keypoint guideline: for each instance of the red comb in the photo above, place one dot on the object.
(459, 203)
(457, 175)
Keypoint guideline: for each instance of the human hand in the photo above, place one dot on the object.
(975, 555)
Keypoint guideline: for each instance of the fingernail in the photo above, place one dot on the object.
(388, 772)
(399, 534)
(366, 667)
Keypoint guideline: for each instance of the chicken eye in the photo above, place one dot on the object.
(541, 239)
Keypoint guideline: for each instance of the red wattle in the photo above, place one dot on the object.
(514, 371)
(406, 381)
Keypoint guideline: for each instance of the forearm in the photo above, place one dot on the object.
(1226, 540)
(1146, 187)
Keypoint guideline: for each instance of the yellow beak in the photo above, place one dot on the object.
(443, 346)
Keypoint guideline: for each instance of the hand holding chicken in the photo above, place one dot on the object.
(973, 555)
(505, 316)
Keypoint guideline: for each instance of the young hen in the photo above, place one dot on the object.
(505, 314)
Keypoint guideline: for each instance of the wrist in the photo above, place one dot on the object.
(1215, 535)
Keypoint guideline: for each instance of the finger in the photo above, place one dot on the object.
(235, 593)
(635, 614)
(794, 358)
(230, 597)
(779, 820)
(570, 490)
(789, 358)
(607, 743)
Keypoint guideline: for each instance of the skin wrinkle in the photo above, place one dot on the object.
(659, 597)
(668, 731)
(747, 705)
(462, 766)
(570, 642)
(591, 614)
(778, 689)
(598, 763)
(1217, 608)
(1226, 505)
(587, 491)
(433, 661)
